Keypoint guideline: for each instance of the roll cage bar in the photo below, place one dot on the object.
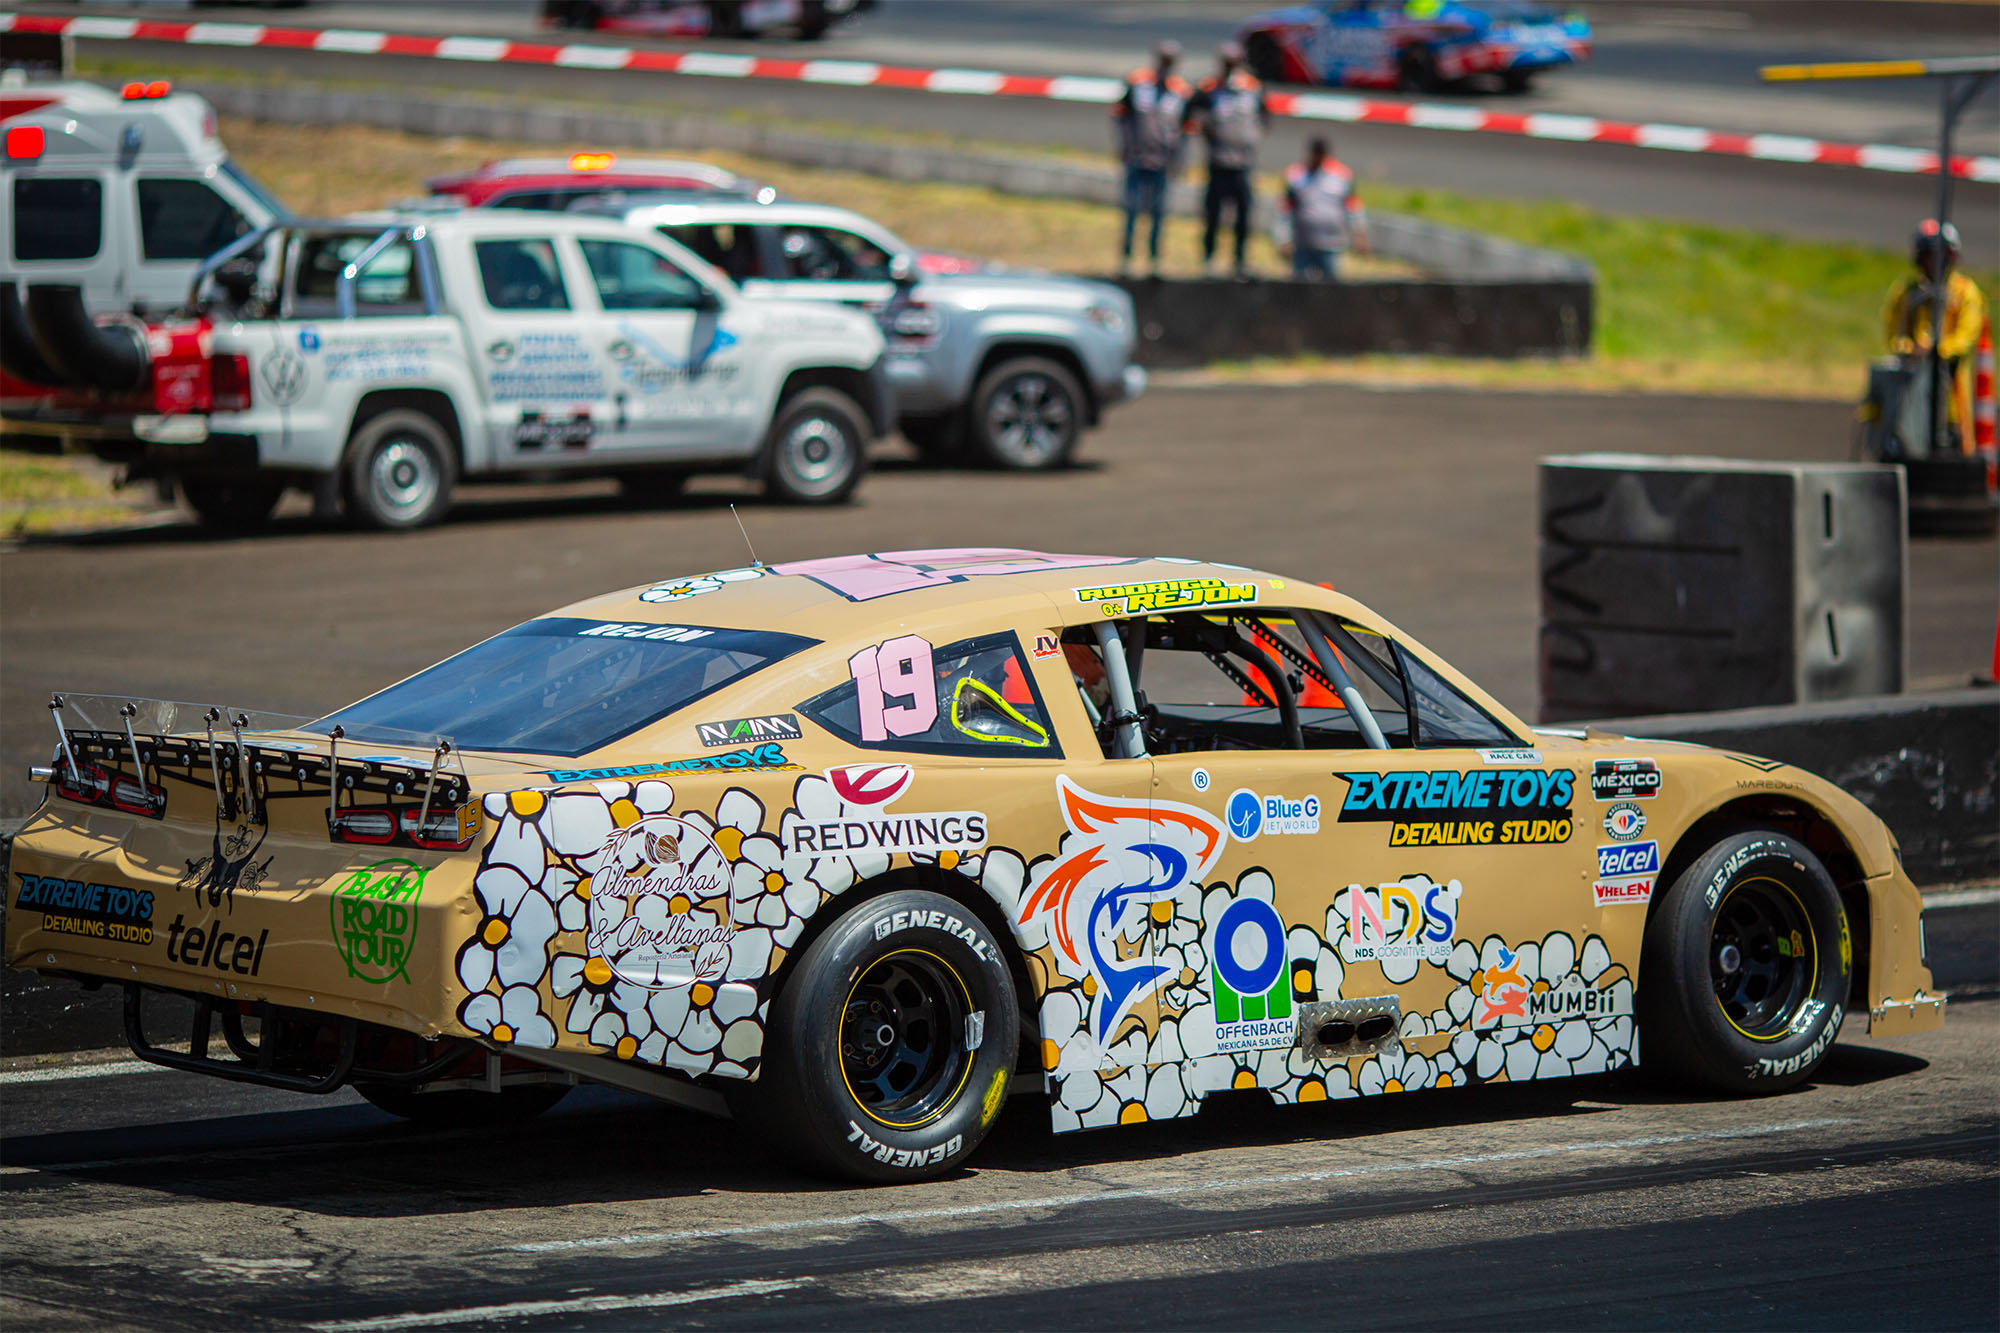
(345, 305)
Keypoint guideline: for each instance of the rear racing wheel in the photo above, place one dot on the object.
(1744, 977)
(889, 1049)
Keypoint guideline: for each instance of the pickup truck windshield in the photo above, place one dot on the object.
(565, 686)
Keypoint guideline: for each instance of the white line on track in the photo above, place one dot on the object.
(1051, 1201)
(480, 1314)
(62, 1073)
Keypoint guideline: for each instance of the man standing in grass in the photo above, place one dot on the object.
(1230, 108)
(1321, 217)
(1906, 317)
(1152, 121)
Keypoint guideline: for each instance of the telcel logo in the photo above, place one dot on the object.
(1640, 858)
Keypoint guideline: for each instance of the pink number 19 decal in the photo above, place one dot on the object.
(900, 668)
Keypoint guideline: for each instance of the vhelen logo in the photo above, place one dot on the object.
(870, 784)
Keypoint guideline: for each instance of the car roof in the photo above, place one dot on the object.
(742, 210)
(840, 598)
(604, 165)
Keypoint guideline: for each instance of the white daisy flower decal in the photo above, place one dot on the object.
(513, 1017)
(511, 940)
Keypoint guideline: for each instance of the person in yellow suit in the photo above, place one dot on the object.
(1906, 315)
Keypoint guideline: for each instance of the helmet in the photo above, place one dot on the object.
(1231, 52)
(1932, 234)
(1167, 50)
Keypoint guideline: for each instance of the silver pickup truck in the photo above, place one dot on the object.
(1004, 367)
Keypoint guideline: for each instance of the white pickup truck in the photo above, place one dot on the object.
(391, 356)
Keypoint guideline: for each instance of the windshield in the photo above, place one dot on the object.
(565, 686)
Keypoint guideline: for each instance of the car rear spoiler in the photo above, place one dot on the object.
(248, 761)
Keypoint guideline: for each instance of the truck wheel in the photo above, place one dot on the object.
(817, 448)
(889, 1049)
(462, 1106)
(400, 470)
(1026, 414)
(232, 504)
(1743, 981)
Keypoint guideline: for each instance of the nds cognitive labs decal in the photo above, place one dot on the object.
(1483, 807)
(1412, 920)
(1251, 978)
(375, 919)
(1133, 599)
(659, 905)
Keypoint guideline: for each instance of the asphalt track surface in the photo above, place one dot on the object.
(1420, 503)
(1692, 64)
(1863, 1199)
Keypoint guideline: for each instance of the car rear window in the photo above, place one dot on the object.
(565, 686)
(57, 218)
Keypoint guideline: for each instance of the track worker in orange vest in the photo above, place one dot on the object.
(1906, 315)
(1321, 217)
(1152, 120)
(1229, 107)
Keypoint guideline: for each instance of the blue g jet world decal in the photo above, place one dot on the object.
(1517, 793)
(1245, 814)
(1638, 858)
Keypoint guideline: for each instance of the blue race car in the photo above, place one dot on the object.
(1419, 45)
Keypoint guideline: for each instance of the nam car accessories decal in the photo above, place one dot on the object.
(375, 919)
(98, 911)
(1170, 595)
(1122, 856)
(1504, 806)
(868, 789)
(736, 731)
(1624, 821)
(1624, 779)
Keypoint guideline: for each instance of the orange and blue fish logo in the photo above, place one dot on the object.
(1121, 858)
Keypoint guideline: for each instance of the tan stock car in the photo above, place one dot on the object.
(854, 847)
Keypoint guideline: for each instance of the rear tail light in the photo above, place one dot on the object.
(229, 381)
(25, 142)
(445, 829)
(90, 784)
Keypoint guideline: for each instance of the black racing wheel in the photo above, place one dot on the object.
(1744, 977)
(889, 1049)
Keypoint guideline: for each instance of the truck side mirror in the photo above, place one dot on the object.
(902, 270)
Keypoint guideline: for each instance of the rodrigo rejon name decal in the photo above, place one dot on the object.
(1455, 809)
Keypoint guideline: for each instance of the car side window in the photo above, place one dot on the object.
(57, 218)
(830, 254)
(1208, 682)
(1444, 717)
(521, 275)
(728, 246)
(388, 286)
(185, 219)
(975, 697)
(634, 277)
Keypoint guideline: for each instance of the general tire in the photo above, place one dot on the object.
(817, 448)
(232, 504)
(462, 1106)
(889, 1050)
(1744, 977)
(400, 470)
(1026, 414)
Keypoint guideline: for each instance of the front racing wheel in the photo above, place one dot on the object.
(400, 469)
(1744, 977)
(817, 448)
(888, 1051)
(1026, 413)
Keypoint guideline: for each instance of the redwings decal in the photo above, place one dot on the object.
(1120, 858)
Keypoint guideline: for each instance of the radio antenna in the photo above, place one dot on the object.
(755, 563)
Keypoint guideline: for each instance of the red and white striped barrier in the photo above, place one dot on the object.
(990, 83)
(1983, 407)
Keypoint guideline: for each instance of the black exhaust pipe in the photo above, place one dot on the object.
(18, 356)
(111, 357)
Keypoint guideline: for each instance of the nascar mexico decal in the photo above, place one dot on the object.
(865, 791)
(1624, 779)
(1449, 808)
